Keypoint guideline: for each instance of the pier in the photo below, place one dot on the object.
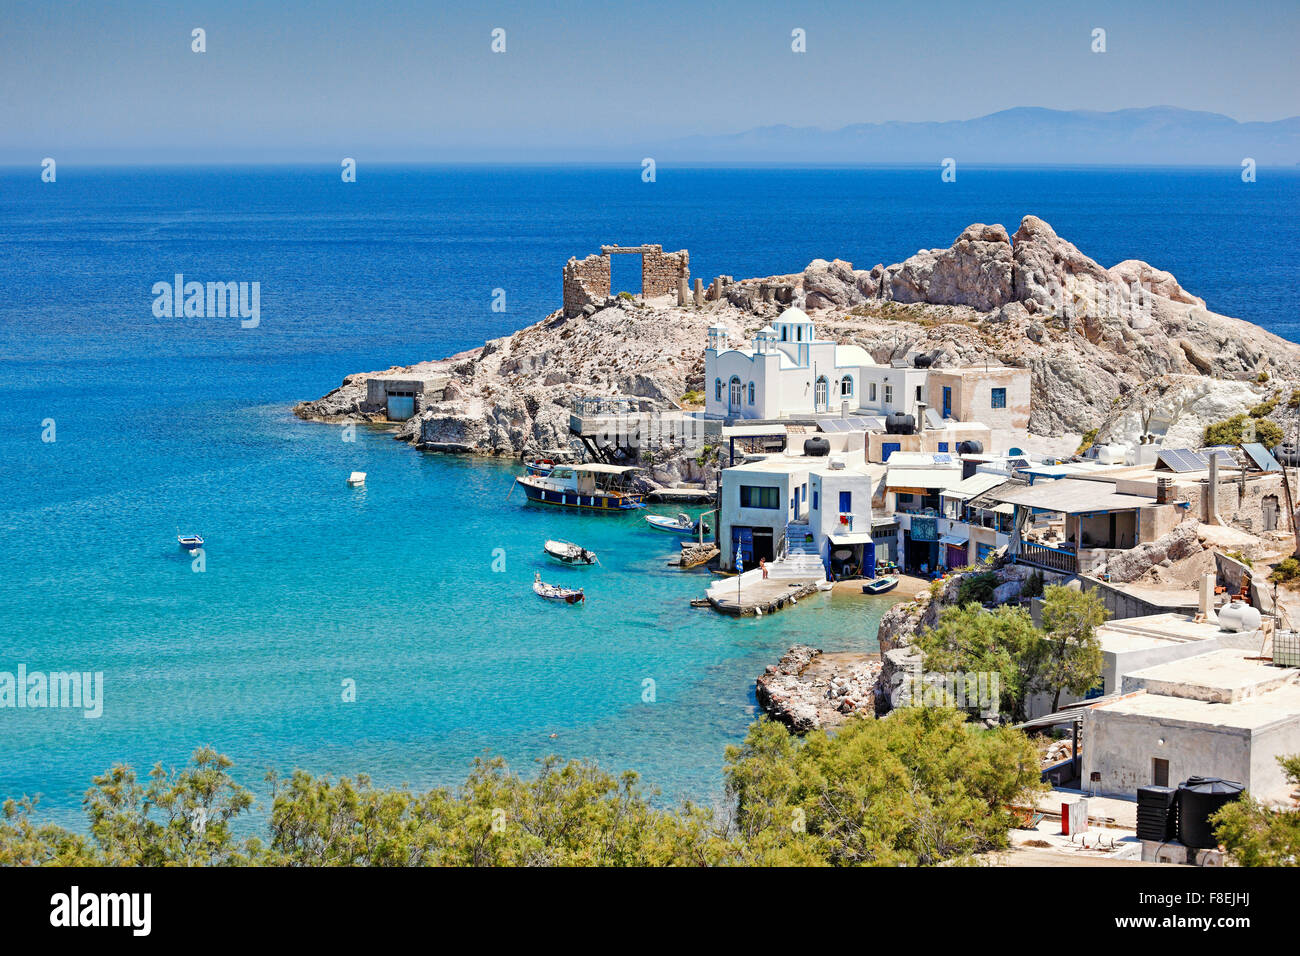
(757, 595)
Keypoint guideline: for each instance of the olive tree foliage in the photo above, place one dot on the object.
(920, 787)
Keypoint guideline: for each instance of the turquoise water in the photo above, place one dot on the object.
(166, 423)
(309, 583)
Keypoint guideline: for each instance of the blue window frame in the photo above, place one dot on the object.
(751, 393)
(717, 389)
(815, 498)
(846, 386)
(947, 401)
(846, 502)
(943, 446)
(999, 399)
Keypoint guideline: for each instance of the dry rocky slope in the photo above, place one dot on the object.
(1031, 299)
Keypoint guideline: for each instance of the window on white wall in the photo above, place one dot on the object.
(872, 391)
(846, 386)
(889, 394)
(717, 389)
(751, 393)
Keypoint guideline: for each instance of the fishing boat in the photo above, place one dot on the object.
(880, 585)
(682, 524)
(553, 592)
(190, 542)
(566, 552)
(356, 479)
(590, 487)
(539, 466)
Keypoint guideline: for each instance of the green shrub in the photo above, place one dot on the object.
(1233, 431)
(1288, 570)
(977, 588)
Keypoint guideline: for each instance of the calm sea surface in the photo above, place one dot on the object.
(162, 423)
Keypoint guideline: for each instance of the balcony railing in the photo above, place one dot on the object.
(1044, 557)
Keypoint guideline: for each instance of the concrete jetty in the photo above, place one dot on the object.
(753, 594)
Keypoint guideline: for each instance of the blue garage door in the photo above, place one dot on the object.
(401, 406)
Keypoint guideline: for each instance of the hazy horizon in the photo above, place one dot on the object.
(118, 82)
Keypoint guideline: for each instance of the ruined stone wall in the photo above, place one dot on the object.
(586, 282)
(660, 270)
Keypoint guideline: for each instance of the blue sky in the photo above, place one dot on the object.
(286, 80)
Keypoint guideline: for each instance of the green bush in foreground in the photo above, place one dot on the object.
(1255, 835)
(920, 787)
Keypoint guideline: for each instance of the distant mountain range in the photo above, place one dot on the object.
(1157, 135)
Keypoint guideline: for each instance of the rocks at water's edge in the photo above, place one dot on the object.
(807, 691)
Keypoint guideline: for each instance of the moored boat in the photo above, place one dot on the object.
(566, 552)
(682, 524)
(590, 487)
(880, 585)
(539, 466)
(190, 542)
(553, 592)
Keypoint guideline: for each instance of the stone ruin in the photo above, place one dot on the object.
(586, 281)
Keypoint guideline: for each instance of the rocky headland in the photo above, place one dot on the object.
(1102, 356)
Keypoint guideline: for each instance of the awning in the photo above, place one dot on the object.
(912, 479)
(850, 537)
(956, 540)
(976, 484)
(1072, 496)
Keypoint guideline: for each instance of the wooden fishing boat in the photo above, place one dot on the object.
(682, 524)
(190, 542)
(591, 487)
(880, 585)
(566, 552)
(553, 592)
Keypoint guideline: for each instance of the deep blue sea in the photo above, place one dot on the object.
(160, 423)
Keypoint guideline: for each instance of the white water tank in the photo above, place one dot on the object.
(1115, 453)
(1239, 616)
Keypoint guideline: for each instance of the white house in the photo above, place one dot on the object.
(787, 372)
(813, 503)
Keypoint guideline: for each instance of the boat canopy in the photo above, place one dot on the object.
(599, 468)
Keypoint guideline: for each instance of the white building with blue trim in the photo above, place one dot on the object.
(787, 372)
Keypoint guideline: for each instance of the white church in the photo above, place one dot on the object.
(787, 372)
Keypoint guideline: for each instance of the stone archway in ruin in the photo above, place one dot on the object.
(587, 281)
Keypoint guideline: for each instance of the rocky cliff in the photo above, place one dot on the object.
(1091, 336)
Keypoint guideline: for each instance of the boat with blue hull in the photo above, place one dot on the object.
(591, 487)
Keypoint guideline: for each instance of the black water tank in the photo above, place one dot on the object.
(1157, 814)
(970, 447)
(1198, 798)
(922, 361)
(1287, 454)
(896, 423)
(815, 446)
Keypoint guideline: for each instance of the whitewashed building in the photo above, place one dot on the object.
(787, 372)
(786, 503)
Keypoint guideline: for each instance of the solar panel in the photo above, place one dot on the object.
(1261, 456)
(1182, 460)
(942, 458)
(933, 419)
